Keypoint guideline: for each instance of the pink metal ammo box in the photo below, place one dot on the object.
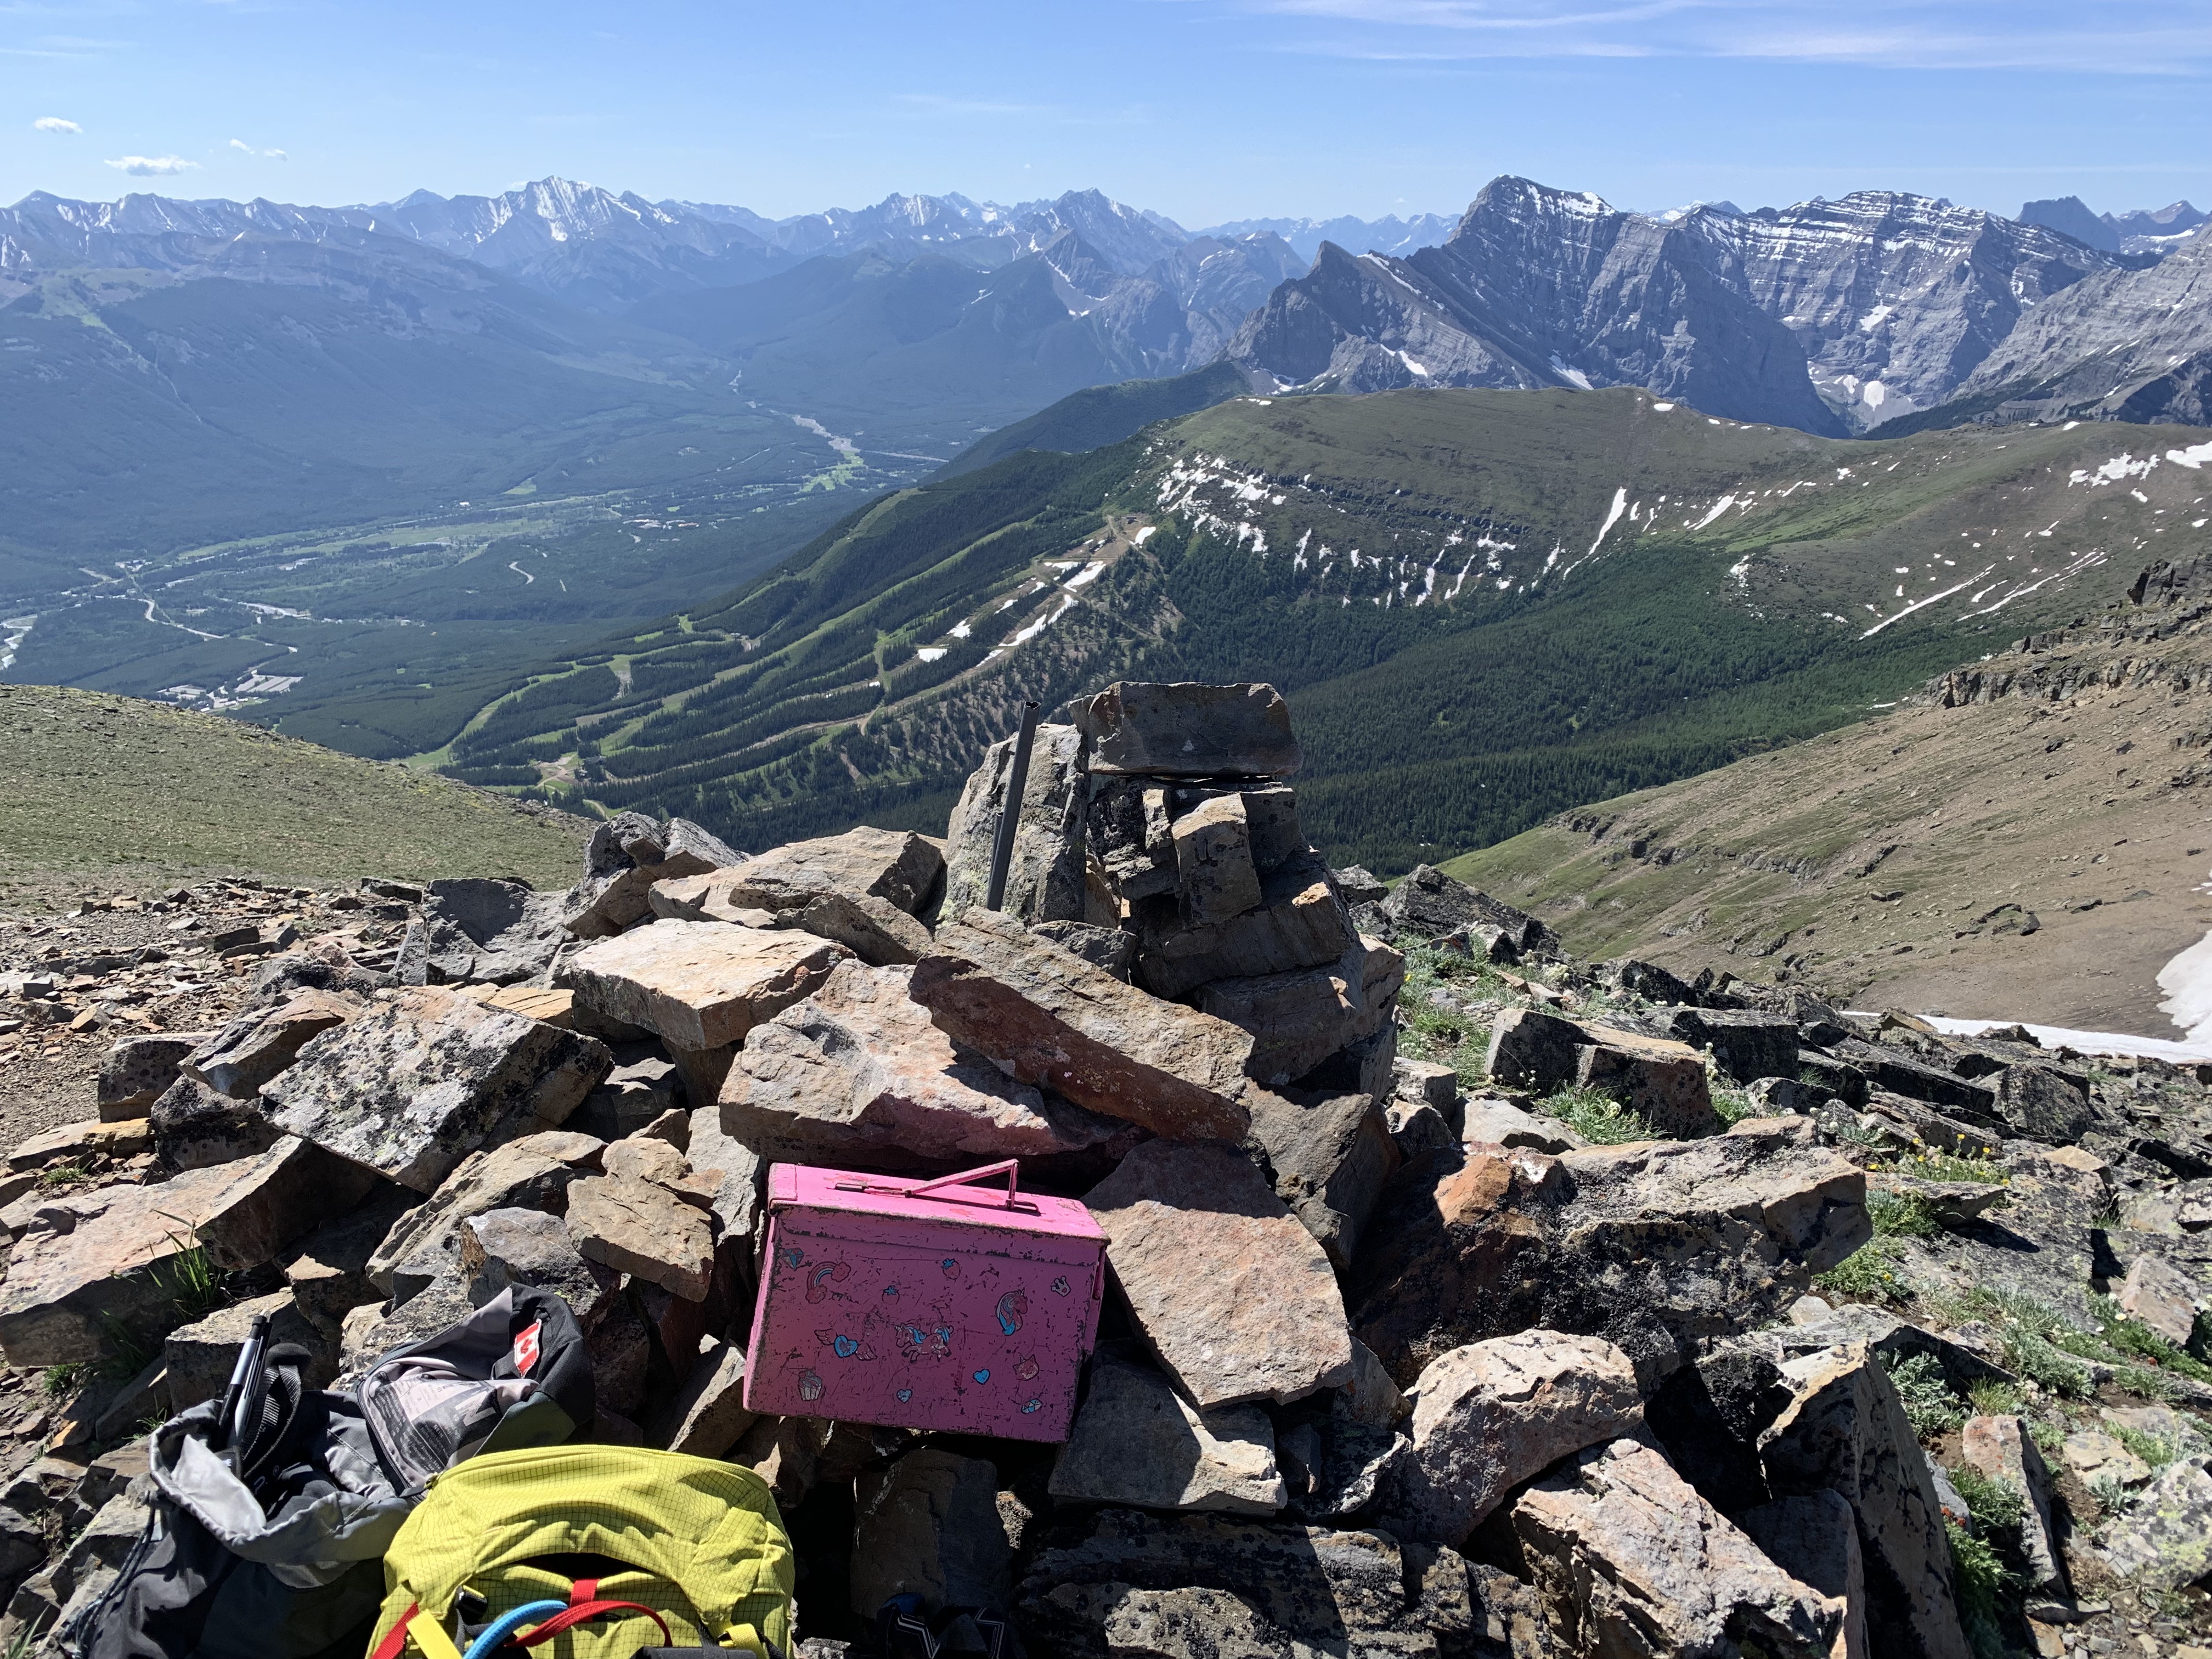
(924, 1304)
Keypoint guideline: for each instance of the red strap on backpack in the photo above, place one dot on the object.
(583, 1611)
(396, 1637)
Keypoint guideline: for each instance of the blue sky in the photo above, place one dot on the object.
(1202, 109)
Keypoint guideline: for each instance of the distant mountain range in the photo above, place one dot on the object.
(2143, 231)
(1833, 317)
(645, 401)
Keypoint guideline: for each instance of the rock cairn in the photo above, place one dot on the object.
(1466, 1300)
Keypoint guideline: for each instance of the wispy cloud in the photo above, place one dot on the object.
(152, 167)
(272, 155)
(55, 124)
(2155, 37)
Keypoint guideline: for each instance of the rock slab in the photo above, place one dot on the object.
(698, 985)
(1490, 1415)
(414, 1086)
(857, 1075)
(1629, 1559)
(1050, 1019)
(1190, 730)
(1136, 1441)
(1232, 1295)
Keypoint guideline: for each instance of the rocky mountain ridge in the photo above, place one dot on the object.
(1831, 317)
(1384, 556)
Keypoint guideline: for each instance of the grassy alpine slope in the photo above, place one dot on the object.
(137, 792)
(1488, 606)
(2039, 856)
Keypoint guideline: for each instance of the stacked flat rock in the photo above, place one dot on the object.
(1383, 1370)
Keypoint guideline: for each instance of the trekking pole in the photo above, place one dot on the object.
(248, 1388)
(1010, 809)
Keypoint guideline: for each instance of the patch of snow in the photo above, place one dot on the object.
(2187, 1051)
(1612, 517)
(1089, 574)
(1144, 535)
(2125, 466)
(932, 652)
(1662, 408)
(1574, 377)
(1921, 604)
(2193, 458)
(1718, 508)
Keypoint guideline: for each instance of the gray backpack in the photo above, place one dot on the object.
(273, 1549)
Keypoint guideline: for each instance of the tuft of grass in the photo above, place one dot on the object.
(2113, 1495)
(1990, 1399)
(2035, 1340)
(126, 1354)
(1868, 1270)
(1929, 1404)
(60, 1380)
(1598, 1118)
(1863, 1136)
(1732, 1103)
(25, 1643)
(192, 1282)
(62, 1175)
(2157, 1449)
(1902, 1215)
(2131, 1337)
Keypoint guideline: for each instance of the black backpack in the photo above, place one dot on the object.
(276, 1551)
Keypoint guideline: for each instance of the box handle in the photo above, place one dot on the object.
(1011, 1169)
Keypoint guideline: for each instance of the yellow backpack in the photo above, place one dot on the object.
(616, 1549)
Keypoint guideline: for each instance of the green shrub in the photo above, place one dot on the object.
(1982, 1581)
(1901, 1215)
(1949, 1166)
(1868, 1270)
(1997, 1504)
(1598, 1118)
(1929, 1404)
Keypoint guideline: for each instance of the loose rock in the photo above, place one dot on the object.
(699, 985)
(1190, 730)
(1048, 1018)
(1490, 1415)
(1136, 1441)
(1513, 1241)
(857, 1076)
(1232, 1295)
(640, 1228)
(412, 1087)
(1629, 1559)
(929, 1526)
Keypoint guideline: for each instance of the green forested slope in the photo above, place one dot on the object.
(1485, 605)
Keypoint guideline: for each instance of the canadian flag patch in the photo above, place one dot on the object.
(526, 1348)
